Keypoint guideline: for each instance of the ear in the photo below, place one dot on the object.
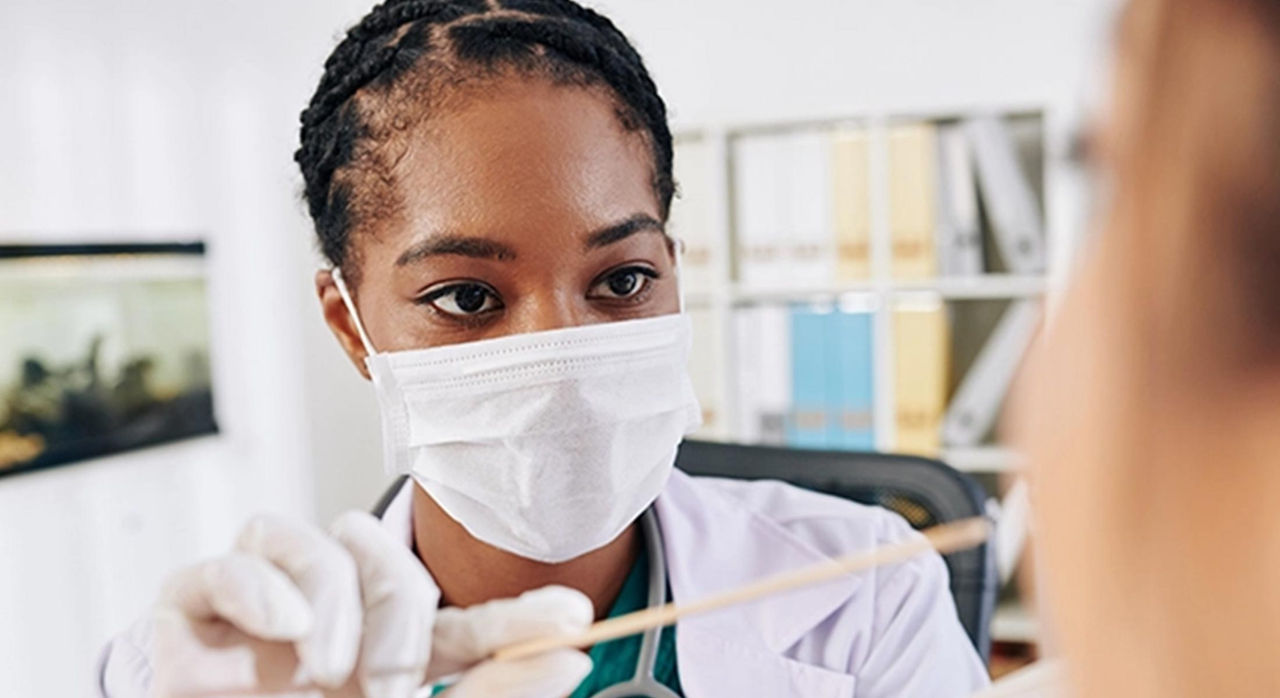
(340, 321)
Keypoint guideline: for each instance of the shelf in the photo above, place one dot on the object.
(989, 286)
(983, 459)
(743, 293)
(1012, 622)
(979, 287)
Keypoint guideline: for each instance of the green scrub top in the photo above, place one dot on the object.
(614, 662)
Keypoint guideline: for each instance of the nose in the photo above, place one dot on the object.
(552, 310)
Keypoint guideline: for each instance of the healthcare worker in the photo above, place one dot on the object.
(489, 180)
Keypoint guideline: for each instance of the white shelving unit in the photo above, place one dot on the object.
(880, 291)
(985, 287)
(721, 293)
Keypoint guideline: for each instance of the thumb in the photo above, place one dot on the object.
(464, 636)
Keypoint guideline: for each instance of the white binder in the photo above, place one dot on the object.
(977, 400)
(959, 232)
(809, 242)
(758, 203)
(1014, 211)
(774, 380)
(691, 220)
(762, 371)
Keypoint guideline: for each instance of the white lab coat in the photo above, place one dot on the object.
(888, 632)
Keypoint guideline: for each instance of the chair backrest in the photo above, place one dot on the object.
(925, 492)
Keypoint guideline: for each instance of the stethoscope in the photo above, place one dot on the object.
(644, 684)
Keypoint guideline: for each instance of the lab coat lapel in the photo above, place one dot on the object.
(713, 544)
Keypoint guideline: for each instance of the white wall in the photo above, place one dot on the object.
(133, 119)
(727, 60)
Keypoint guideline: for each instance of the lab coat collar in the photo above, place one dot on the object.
(713, 544)
(702, 559)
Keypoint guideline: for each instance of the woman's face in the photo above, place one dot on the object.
(526, 207)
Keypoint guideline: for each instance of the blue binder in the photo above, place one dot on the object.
(808, 422)
(852, 396)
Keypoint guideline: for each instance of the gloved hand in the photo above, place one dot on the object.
(296, 612)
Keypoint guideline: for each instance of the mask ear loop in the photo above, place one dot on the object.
(351, 309)
(678, 243)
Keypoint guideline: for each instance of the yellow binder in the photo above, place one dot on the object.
(851, 196)
(913, 200)
(922, 353)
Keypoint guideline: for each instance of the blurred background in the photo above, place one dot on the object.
(877, 196)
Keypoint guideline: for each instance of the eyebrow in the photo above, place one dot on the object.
(638, 223)
(484, 248)
(461, 245)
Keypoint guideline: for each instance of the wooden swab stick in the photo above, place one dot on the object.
(946, 538)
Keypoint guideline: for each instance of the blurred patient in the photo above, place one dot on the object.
(1152, 410)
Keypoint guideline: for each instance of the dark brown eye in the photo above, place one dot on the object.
(462, 299)
(623, 283)
(470, 299)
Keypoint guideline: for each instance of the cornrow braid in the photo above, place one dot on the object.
(406, 49)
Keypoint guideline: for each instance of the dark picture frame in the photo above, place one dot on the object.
(104, 348)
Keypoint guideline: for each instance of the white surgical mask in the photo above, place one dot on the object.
(548, 444)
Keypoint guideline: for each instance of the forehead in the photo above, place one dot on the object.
(524, 153)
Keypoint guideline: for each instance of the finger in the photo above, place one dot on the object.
(325, 574)
(399, 600)
(469, 635)
(203, 659)
(244, 590)
(555, 673)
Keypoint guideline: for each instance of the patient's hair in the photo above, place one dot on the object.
(1197, 161)
(408, 60)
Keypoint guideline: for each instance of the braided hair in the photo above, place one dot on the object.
(397, 66)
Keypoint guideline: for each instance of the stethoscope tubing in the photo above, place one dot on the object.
(644, 684)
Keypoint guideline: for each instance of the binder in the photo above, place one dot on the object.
(706, 370)
(1017, 223)
(853, 375)
(851, 204)
(812, 369)
(913, 197)
(959, 229)
(921, 358)
(747, 365)
(692, 220)
(1012, 529)
(758, 209)
(807, 208)
(774, 378)
(762, 352)
(978, 398)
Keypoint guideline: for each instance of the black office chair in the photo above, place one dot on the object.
(925, 492)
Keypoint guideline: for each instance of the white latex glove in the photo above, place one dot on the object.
(296, 612)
